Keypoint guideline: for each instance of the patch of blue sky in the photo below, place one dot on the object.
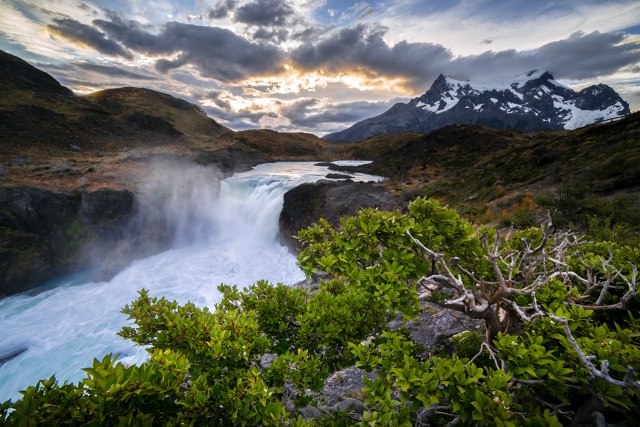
(344, 12)
(526, 9)
(631, 30)
(120, 6)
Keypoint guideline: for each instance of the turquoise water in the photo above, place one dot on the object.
(227, 232)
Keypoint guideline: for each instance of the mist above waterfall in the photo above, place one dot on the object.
(184, 198)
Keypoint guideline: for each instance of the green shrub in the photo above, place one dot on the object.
(560, 314)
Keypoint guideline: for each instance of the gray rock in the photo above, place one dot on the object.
(306, 204)
(309, 412)
(436, 325)
(106, 205)
(46, 234)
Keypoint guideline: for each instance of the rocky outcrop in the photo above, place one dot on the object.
(44, 234)
(306, 204)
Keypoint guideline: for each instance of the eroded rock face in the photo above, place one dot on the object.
(106, 205)
(44, 234)
(331, 200)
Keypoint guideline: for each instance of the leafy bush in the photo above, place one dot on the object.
(547, 300)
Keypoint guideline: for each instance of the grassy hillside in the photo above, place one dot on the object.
(51, 138)
(503, 176)
(280, 146)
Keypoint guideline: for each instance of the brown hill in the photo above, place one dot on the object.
(51, 138)
(284, 145)
(501, 175)
(39, 116)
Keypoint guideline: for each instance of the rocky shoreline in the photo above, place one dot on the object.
(305, 204)
(46, 233)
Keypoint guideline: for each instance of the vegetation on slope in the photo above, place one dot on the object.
(502, 176)
(568, 352)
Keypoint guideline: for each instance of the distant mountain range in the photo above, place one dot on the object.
(530, 102)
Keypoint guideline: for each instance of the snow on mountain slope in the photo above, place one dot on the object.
(528, 102)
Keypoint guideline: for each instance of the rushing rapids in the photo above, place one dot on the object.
(226, 232)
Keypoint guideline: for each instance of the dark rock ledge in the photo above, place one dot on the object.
(46, 234)
(305, 204)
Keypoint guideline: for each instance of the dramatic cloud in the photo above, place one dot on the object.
(588, 55)
(362, 49)
(222, 9)
(238, 120)
(216, 52)
(275, 36)
(580, 56)
(133, 35)
(265, 13)
(313, 113)
(86, 35)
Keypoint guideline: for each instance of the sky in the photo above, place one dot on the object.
(319, 66)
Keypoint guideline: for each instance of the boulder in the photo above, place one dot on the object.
(305, 204)
(45, 234)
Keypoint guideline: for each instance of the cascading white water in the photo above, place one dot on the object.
(226, 233)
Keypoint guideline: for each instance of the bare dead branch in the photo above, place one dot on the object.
(484, 346)
(603, 373)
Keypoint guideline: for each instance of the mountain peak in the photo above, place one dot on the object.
(531, 101)
(442, 79)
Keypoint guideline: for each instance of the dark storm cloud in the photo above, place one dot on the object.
(216, 52)
(486, 41)
(308, 35)
(580, 56)
(362, 48)
(265, 13)
(133, 35)
(83, 34)
(280, 35)
(588, 55)
(301, 112)
(222, 9)
(237, 120)
(214, 96)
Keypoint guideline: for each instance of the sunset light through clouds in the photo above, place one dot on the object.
(319, 65)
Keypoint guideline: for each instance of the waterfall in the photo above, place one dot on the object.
(226, 231)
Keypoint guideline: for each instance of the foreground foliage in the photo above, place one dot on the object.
(560, 316)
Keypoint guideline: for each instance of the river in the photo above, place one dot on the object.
(227, 233)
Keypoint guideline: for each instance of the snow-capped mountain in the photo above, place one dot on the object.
(530, 102)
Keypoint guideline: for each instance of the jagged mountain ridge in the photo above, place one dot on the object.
(531, 102)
